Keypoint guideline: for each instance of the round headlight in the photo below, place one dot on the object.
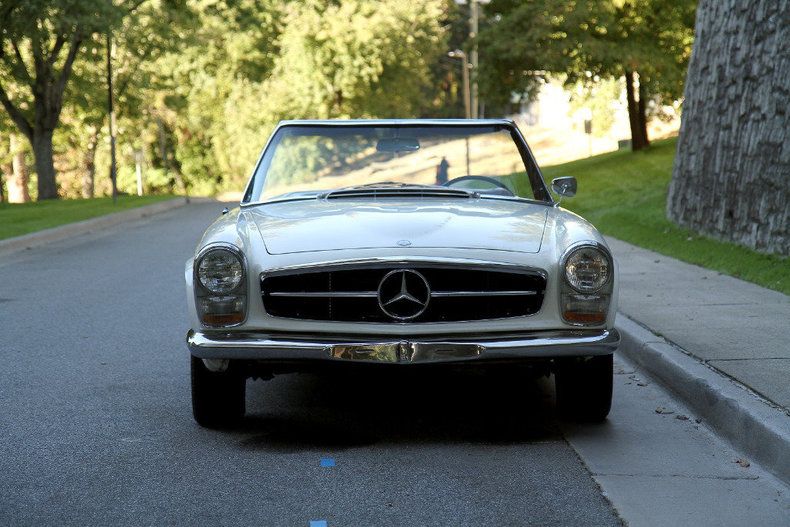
(587, 269)
(220, 271)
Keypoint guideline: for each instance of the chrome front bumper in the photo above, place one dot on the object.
(539, 344)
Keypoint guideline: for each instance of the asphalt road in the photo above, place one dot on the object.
(96, 426)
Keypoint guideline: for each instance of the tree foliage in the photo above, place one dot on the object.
(648, 40)
(312, 59)
(199, 84)
(39, 43)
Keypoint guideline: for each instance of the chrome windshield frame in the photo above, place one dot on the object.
(525, 152)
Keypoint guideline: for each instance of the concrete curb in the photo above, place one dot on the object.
(35, 239)
(753, 425)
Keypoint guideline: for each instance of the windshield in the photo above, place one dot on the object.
(305, 161)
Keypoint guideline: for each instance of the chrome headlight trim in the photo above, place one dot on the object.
(587, 245)
(600, 296)
(200, 291)
(236, 269)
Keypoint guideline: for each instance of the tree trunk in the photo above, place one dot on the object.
(636, 113)
(45, 168)
(642, 117)
(169, 166)
(5, 175)
(17, 185)
(111, 115)
(89, 165)
(731, 178)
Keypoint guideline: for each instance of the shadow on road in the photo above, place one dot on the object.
(295, 413)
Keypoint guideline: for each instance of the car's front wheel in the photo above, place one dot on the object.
(218, 397)
(584, 388)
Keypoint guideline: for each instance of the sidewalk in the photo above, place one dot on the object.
(741, 329)
(726, 329)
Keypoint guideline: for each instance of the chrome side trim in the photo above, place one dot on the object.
(373, 294)
(325, 294)
(441, 294)
(383, 261)
(278, 347)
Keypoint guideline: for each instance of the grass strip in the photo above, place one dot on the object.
(624, 195)
(17, 219)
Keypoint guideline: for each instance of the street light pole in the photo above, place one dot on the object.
(459, 54)
(473, 28)
(474, 23)
(111, 115)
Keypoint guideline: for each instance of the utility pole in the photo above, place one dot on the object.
(587, 116)
(459, 54)
(138, 170)
(474, 28)
(111, 114)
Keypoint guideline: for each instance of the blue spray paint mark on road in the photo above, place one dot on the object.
(327, 462)
(317, 523)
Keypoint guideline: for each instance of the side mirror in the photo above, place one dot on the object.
(564, 186)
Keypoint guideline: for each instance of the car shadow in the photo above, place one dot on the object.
(295, 413)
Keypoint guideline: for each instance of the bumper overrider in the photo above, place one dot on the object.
(423, 349)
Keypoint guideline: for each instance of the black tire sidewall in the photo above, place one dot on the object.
(218, 398)
(584, 388)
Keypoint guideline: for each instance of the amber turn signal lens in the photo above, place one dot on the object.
(223, 320)
(219, 311)
(585, 310)
(584, 318)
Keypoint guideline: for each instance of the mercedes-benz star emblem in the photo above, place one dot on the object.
(404, 294)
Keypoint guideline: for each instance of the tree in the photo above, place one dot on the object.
(84, 113)
(141, 39)
(17, 185)
(444, 91)
(646, 42)
(518, 44)
(13, 163)
(39, 42)
(252, 63)
(211, 84)
(357, 58)
(650, 45)
(731, 178)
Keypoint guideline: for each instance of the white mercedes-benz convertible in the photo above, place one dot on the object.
(400, 243)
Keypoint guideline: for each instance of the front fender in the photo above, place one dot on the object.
(191, 309)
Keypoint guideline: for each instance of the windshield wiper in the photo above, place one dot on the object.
(392, 189)
(383, 184)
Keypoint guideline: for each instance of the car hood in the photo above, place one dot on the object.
(327, 225)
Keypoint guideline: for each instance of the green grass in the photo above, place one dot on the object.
(22, 218)
(624, 195)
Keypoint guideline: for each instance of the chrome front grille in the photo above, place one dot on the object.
(403, 292)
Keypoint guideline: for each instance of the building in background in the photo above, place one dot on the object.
(553, 122)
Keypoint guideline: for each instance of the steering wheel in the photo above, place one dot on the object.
(491, 180)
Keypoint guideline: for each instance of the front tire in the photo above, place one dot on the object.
(218, 398)
(584, 388)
